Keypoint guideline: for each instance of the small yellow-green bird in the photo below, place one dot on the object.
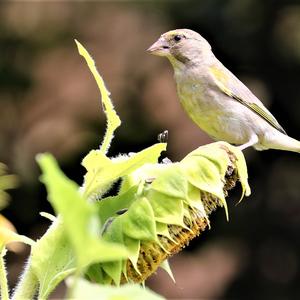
(216, 100)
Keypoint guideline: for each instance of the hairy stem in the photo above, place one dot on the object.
(27, 286)
(3, 277)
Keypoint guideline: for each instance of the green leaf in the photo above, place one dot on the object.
(6, 182)
(113, 120)
(109, 206)
(194, 200)
(241, 170)
(171, 182)
(166, 209)
(90, 291)
(215, 153)
(205, 174)
(9, 235)
(95, 274)
(138, 222)
(114, 232)
(114, 270)
(52, 259)
(79, 216)
(133, 247)
(162, 229)
(103, 172)
(146, 172)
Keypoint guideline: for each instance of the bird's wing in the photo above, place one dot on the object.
(234, 88)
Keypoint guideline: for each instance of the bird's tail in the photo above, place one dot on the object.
(285, 142)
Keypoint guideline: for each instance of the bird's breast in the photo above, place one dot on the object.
(209, 110)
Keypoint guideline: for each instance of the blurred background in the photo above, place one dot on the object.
(50, 102)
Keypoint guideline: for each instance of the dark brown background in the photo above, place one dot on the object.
(50, 102)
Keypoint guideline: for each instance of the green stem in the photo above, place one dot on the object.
(27, 286)
(3, 277)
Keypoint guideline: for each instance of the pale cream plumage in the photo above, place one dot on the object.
(217, 101)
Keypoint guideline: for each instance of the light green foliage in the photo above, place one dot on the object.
(79, 216)
(213, 164)
(113, 120)
(91, 291)
(165, 199)
(8, 232)
(52, 258)
(91, 235)
(98, 179)
(6, 182)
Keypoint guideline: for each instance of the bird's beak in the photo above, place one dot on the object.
(160, 47)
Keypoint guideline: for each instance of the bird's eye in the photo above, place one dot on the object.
(177, 38)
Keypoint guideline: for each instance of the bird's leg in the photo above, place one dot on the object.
(253, 140)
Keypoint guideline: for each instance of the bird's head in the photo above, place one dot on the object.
(182, 45)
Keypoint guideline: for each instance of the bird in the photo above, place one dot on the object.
(215, 99)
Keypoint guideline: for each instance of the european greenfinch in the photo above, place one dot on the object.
(215, 99)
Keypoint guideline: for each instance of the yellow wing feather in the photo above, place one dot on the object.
(234, 88)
